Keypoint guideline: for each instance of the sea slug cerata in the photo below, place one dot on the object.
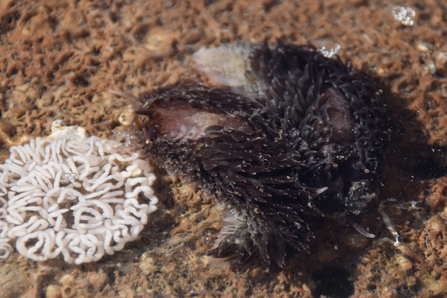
(292, 138)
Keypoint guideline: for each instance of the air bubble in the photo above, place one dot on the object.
(405, 15)
(328, 47)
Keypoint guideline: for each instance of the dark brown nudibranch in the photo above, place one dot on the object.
(295, 138)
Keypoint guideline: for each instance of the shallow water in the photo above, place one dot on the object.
(59, 59)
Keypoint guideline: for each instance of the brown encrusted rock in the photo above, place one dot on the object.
(58, 59)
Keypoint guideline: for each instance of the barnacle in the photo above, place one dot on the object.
(298, 137)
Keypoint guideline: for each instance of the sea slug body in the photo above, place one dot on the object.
(297, 137)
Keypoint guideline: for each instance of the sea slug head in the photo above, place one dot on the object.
(184, 112)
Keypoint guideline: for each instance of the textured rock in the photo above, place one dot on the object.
(59, 59)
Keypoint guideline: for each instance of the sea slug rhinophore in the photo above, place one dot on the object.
(297, 137)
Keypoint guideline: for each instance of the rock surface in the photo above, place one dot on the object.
(59, 59)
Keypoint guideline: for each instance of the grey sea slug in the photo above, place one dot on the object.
(293, 138)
